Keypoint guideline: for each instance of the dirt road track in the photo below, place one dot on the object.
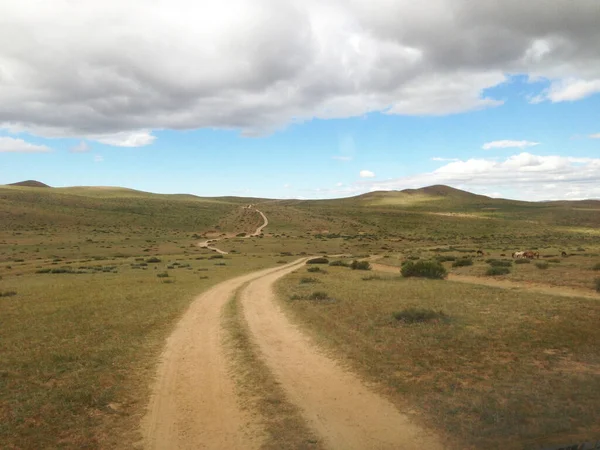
(194, 405)
(561, 291)
(335, 403)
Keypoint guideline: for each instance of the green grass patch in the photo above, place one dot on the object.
(542, 265)
(418, 315)
(462, 262)
(360, 265)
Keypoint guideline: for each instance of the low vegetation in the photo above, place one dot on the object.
(424, 269)
(495, 369)
(418, 315)
(318, 261)
(497, 270)
(542, 265)
(462, 262)
(360, 265)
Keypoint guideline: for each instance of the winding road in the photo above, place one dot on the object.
(194, 404)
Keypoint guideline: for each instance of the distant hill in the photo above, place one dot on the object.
(440, 190)
(30, 183)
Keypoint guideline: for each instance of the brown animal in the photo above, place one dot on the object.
(529, 254)
(563, 254)
(479, 253)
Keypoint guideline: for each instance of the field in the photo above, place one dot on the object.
(93, 280)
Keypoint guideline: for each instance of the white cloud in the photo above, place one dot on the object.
(366, 174)
(509, 144)
(595, 136)
(437, 158)
(82, 147)
(287, 186)
(126, 139)
(570, 90)
(522, 176)
(339, 184)
(136, 67)
(8, 144)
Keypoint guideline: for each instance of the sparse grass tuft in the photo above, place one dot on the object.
(542, 265)
(153, 259)
(315, 270)
(499, 262)
(339, 263)
(419, 315)
(523, 261)
(424, 269)
(497, 270)
(307, 280)
(319, 295)
(596, 266)
(7, 293)
(462, 262)
(598, 284)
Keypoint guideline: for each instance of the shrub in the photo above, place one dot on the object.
(542, 265)
(216, 256)
(306, 280)
(554, 260)
(339, 263)
(499, 262)
(426, 269)
(372, 277)
(320, 260)
(462, 262)
(7, 293)
(598, 284)
(596, 266)
(413, 257)
(318, 295)
(162, 275)
(154, 259)
(360, 265)
(497, 270)
(43, 271)
(419, 315)
(523, 261)
(315, 270)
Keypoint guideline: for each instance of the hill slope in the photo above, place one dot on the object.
(30, 183)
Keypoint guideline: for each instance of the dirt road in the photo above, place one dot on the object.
(504, 284)
(335, 403)
(194, 405)
(257, 232)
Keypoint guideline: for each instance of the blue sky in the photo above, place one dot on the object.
(346, 106)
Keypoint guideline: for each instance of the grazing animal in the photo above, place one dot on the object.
(529, 254)
(563, 254)
(479, 253)
(518, 255)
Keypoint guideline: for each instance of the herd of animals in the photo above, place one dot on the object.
(524, 254)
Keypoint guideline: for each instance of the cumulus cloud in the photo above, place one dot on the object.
(595, 136)
(508, 144)
(366, 174)
(257, 65)
(523, 176)
(8, 144)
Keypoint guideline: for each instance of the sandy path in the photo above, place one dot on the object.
(194, 405)
(504, 284)
(257, 232)
(335, 403)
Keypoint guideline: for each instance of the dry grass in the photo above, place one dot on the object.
(504, 370)
(259, 390)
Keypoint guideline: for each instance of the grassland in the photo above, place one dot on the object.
(504, 369)
(101, 275)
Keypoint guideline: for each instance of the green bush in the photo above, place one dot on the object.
(596, 266)
(598, 284)
(462, 262)
(360, 265)
(425, 269)
(162, 275)
(542, 265)
(554, 260)
(219, 256)
(523, 261)
(496, 270)
(306, 280)
(339, 263)
(320, 260)
(419, 315)
(7, 293)
(444, 258)
(154, 259)
(315, 270)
